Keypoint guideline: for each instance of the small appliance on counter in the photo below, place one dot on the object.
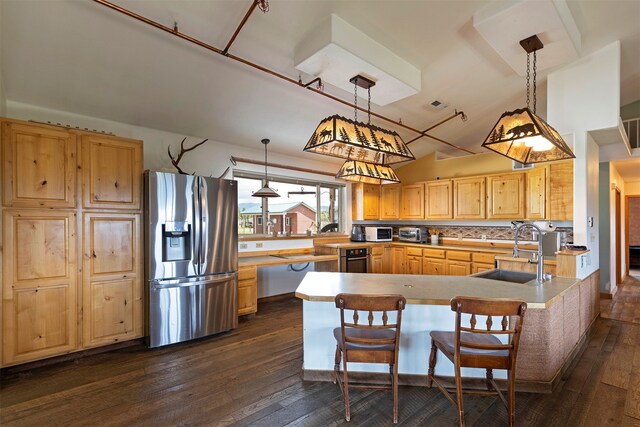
(357, 233)
(378, 234)
(413, 234)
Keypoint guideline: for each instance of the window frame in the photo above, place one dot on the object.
(319, 185)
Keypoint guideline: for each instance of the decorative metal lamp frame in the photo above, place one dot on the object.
(521, 134)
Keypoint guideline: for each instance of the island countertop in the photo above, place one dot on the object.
(430, 290)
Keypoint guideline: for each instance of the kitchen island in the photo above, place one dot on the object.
(559, 315)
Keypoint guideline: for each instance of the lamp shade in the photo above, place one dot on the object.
(265, 191)
(340, 137)
(523, 136)
(356, 171)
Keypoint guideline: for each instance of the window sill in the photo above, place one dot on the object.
(252, 238)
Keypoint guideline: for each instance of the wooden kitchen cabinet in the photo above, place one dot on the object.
(398, 260)
(247, 290)
(377, 260)
(112, 278)
(482, 261)
(390, 195)
(458, 263)
(39, 289)
(469, 198)
(505, 195)
(560, 200)
(112, 172)
(413, 201)
(39, 166)
(365, 201)
(414, 261)
(433, 262)
(536, 193)
(438, 199)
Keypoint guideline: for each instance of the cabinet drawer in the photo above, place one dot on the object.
(459, 256)
(245, 273)
(483, 257)
(433, 253)
(414, 252)
(377, 250)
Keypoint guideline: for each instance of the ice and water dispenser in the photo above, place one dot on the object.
(176, 241)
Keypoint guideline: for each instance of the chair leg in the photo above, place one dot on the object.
(489, 378)
(394, 380)
(511, 385)
(432, 364)
(336, 367)
(459, 395)
(347, 409)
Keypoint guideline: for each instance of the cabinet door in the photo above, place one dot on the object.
(413, 201)
(414, 265)
(398, 261)
(112, 172)
(39, 285)
(112, 281)
(561, 191)
(438, 200)
(247, 290)
(433, 266)
(468, 198)
(39, 167)
(477, 268)
(377, 264)
(458, 268)
(506, 196)
(536, 193)
(365, 201)
(390, 201)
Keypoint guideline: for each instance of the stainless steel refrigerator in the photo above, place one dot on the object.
(191, 234)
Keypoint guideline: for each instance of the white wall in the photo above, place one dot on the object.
(585, 96)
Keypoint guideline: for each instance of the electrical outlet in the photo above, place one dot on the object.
(243, 246)
(459, 236)
(259, 244)
(484, 237)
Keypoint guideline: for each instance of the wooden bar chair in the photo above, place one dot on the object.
(374, 340)
(471, 347)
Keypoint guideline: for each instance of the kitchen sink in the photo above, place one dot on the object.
(506, 276)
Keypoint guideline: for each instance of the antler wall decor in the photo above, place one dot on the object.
(182, 151)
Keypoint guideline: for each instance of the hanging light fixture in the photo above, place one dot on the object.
(265, 191)
(521, 134)
(341, 137)
(369, 173)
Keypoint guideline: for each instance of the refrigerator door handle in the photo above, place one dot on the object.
(194, 281)
(197, 226)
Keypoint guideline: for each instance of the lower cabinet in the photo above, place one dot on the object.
(414, 261)
(433, 266)
(457, 268)
(247, 290)
(478, 267)
(377, 260)
(398, 260)
(112, 279)
(39, 291)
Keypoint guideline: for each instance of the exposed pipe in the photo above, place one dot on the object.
(454, 115)
(236, 160)
(254, 3)
(207, 46)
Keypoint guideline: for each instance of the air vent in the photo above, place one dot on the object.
(438, 104)
(520, 166)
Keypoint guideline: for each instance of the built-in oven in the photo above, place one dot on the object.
(354, 260)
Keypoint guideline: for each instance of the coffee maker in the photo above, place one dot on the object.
(357, 233)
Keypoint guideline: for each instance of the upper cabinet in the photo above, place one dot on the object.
(505, 194)
(413, 201)
(390, 201)
(469, 198)
(112, 172)
(39, 166)
(536, 193)
(438, 199)
(365, 201)
(560, 200)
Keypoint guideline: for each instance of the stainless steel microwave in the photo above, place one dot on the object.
(412, 234)
(378, 234)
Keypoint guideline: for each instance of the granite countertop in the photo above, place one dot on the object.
(271, 260)
(429, 290)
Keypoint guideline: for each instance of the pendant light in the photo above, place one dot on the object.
(369, 173)
(265, 191)
(341, 137)
(521, 134)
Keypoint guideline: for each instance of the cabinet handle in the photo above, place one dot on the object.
(93, 254)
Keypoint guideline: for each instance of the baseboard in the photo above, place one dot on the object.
(607, 295)
(279, 297)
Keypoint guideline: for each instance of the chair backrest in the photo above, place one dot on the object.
(509, 314)
(364, 308)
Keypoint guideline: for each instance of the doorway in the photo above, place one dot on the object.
(618, 238)
(632, 245)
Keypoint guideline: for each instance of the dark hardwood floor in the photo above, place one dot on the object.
(251, 376)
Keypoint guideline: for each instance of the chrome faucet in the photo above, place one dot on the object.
(538, 257)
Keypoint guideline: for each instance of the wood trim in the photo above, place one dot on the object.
(331, 237)
(618, 244)
(299, 251)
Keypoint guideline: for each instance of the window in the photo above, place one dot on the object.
(303, 205)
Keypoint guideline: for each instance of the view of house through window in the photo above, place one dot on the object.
(302, 206)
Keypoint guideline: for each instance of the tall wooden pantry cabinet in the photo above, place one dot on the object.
(71, 239)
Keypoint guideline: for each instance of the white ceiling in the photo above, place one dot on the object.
(81, 57)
